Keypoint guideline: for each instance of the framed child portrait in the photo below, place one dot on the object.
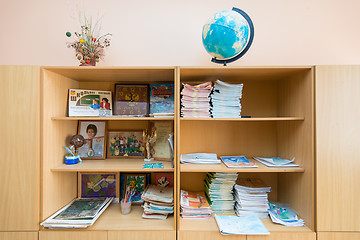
(98, 185)
(125, 144)
(94, 133)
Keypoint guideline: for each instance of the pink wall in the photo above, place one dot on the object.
(167, 32)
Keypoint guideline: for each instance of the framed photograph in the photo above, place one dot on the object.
(125, 144)
(137, 181)
(94, 133)
(98, 185)
(131, 100)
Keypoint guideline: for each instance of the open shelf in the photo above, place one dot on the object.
(211, 226)
(245, 119)
(113, 165)
(223, 168)
(113, 118)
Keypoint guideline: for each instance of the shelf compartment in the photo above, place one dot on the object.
(210, 225)
(112, 165)
(114, 118)
(254, 119)
(223, 168)
(113, 219)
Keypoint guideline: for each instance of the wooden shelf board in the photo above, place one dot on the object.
(223, 168)
(211, 226)
(112, 165)
(114, 118)
(254, 119)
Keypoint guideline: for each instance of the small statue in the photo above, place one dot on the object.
(149, 140)
(72, 157)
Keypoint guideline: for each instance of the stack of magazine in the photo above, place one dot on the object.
(251, 196)
(219, 190)
(194, 205)
(225, 100)
(158, 202)
(195, 100)
(79, 213)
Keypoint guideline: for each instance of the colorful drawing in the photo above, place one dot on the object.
(98, 185)
(134, 181)
(164, 180)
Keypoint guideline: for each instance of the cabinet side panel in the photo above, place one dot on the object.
(296, 139)
(337, 150)
(20, 148)
(58, 189)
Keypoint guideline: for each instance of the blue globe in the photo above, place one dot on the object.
(227, 33)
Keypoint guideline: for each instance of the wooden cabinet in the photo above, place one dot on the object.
(20, 149)
(19, 235)
(337, 149)
(338, 236)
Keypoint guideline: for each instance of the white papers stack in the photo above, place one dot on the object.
(79, 213)
(194, 205)
(195, 100)
(276, 162)
(240, 225)
(284, 215)
(251, 196)
(159, 202)
(219, 190)
(200, 158)
(225, 100)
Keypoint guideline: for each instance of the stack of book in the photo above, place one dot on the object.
(225, 100)
(194, 205)
(195, 100)
(284, 215)
(219, 190)
(251, 196)
(79, 213)
(158, 202)
(199, 158)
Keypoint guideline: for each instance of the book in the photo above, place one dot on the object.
(194, 205)
(79, 213)
(161, 98)
(200, 158)
(237, 162)
(233, 225)
(276, 162)
(86, 103)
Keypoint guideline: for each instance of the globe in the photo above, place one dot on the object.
(228, 34)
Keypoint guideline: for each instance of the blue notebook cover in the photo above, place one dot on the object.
(161, 98)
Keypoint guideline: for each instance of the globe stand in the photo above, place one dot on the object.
(251, 26)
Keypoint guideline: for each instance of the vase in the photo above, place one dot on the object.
(92, 62)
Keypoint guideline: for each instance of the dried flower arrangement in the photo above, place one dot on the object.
(88, 44)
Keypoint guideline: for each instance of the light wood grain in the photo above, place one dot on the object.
(112, 165)
(20, 148)
(337, 150)
(201, 234)
(142, 235)
(19, 235)
(72, 235)
(285, 236)
(338, 235)
(254, 119)
(113, 118)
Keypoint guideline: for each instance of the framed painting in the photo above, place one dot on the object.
(136, 181)
(131, 100)
(92, 185)
(125, 144)
(94, 133)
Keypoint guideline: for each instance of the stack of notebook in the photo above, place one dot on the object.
(195, 100)
(225, 100)
(194, 205)
(251, 196)
(219, 190)
(158, 202)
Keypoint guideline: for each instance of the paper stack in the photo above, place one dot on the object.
(195, 100)
(79, 213)
(194, 205)
(251, 196)
(200, 158)
(159, 202)
(284, 215)
(219, 190)
(225, 100)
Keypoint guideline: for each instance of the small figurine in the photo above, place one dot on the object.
(72, 157)
(149, 140)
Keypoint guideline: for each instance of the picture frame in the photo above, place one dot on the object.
(125, 144)
(138, 181)
(164, 179)
(95, 133)
(161, 149)
(131, 100)
(92, 184)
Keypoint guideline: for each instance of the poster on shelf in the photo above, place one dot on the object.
(89, 103)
